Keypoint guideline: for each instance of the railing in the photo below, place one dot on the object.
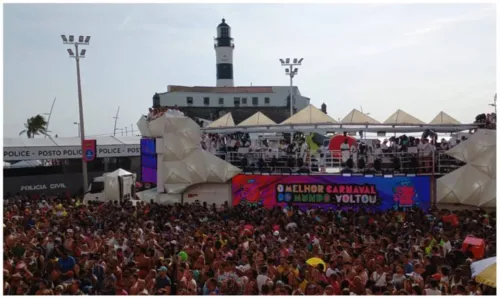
(333, 162)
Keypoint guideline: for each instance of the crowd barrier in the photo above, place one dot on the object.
(332, 162)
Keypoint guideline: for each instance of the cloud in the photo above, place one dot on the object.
(388, 47)
(440, 23)
(124, 23)
(424, 30)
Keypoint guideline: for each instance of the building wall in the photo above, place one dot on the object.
(276, 99)
(277, 114)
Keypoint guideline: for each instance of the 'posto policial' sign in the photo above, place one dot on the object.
(72, 152)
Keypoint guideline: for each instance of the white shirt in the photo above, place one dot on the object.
(446, 247)
(431, 292)
(344, 147)
(379, 279)
(303, 149)
(262, 280)
(428, 149)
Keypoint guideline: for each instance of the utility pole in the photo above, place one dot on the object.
(132, 128)
(116, 120)
(49, 115)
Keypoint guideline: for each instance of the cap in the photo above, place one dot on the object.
(163, 269)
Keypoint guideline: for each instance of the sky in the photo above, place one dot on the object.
(421, 58)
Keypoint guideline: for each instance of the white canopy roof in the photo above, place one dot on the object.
(309, 115)
(400, 117)
(356, 116)
(224, 121)
(475, 183)
(117, 173)
(258, 119)
(444, 119)
(24, 164)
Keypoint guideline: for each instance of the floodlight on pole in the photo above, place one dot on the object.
(291, 70)
(82, 41)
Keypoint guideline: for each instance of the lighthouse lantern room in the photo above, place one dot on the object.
(224, 47)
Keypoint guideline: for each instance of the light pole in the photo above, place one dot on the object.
(291, 70)
(78, 127)
(84, 41)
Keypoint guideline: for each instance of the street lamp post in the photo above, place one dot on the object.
(78, 127)
(84, 41)
(291, 70)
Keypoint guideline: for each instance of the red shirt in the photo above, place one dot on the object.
(336, 288)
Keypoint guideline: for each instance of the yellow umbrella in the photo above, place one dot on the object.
(314, 261)
(485, 271)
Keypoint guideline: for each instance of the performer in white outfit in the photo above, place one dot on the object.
(344, 149)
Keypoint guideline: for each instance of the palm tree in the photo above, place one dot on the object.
(35, 125)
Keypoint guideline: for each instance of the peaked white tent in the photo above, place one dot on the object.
(257, 119)
(356, 116)
(224, 121)
(444, 119)
(475, 183)
(117, 184)
(309, 115)
(402, 118)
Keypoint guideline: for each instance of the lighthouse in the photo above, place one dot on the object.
(224, 47)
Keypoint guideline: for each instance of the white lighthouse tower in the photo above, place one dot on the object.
(224, 47)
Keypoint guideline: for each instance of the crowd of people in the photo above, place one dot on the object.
(487, 120)
(156, 112)
(396, 154)
(57, 246)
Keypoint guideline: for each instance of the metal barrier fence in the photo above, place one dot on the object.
(333, 162)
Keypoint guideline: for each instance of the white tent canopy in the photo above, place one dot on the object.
(444, 119)
(402, 118)
(356, 116)
(475, 183)
(117, 173)
(309, 115)
(258, 119)
(224, 121)
(25, 164)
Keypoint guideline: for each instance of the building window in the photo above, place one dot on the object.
(236, 101)
(189, 100)
(267, 101)
(206, 101)
(255, 101)
(244, 101)
(221, 101)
